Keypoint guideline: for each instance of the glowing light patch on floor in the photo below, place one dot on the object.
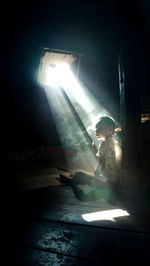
(105, 215)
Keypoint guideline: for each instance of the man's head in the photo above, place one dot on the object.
(105, 127)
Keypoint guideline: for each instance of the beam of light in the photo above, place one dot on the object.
(80, 96)
(57, 71)
(70, 133)
(61, 75)
(105, 215)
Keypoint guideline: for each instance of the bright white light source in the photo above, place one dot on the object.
(51, 77)
(104, 215)
(59, 75)
(51, 58)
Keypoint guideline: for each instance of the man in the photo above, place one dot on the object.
(107, 173)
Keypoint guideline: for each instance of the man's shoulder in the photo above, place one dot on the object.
(110, 141)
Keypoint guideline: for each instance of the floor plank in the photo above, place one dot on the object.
(49, 229)
(86, 243)
(60, 204)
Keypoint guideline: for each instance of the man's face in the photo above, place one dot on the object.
(103, 132)
(99, 131)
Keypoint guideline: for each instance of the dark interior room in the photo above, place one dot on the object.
(75, 123)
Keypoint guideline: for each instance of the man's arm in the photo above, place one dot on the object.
(100, 167)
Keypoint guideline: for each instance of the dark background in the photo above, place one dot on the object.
(87, 27)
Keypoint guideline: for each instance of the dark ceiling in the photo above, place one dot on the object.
(81, 26)
(77, 24)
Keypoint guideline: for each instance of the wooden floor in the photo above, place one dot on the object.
(46, 227)
(52, 231)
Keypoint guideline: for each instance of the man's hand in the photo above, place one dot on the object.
(94, 148)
